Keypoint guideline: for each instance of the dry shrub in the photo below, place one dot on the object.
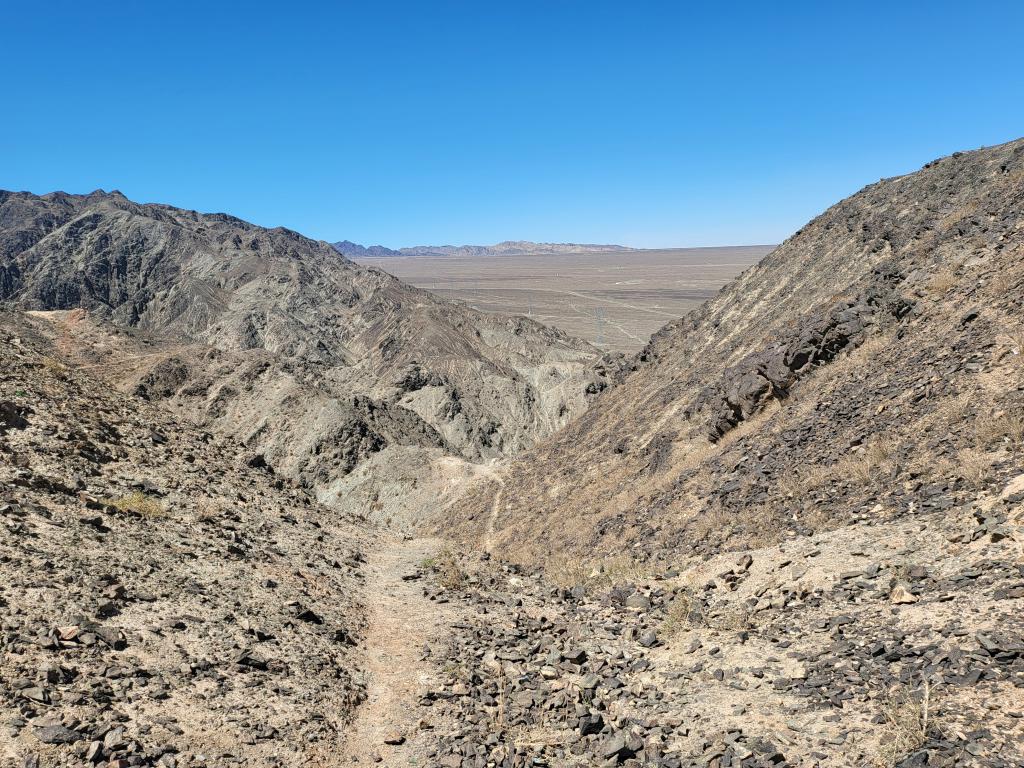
(954, 411)
(942, 282)
(138, 503)
(687, 611)
(450, 574)
(1005, 427)
(684, 611)
(54, 367)
(567, 571)
(1017, 531)
(818, 518)
(1001, 284)
(803, 481)
(753, 423)
(872, 347)
(620, 569)
(731, 618)
(865, 464)
(1013, 341)
(207, 511)
(879, 450)
(697, 452)
(908, 721)
(795, 484)
(974, 466)
(713, 520)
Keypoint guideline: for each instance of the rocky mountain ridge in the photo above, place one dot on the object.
(790, 532)
(504, 248)
(793, 533)
(320, 365)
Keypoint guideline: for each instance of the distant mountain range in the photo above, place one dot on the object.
(506, 248)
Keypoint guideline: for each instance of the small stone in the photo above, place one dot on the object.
(56, 734)
(648, 638)
(95, 752)
(901, 595)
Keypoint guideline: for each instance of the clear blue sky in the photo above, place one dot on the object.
(645, 123)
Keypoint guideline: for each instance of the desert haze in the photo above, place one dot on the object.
(613, 299)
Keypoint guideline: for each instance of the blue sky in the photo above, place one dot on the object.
(644, 123)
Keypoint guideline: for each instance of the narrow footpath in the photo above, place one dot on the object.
(404, 628)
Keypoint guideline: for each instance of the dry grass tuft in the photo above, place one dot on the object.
(1001, 284)
(865, 464)
(942, 282)
(1003, 427)
(803, 482)
(54, 367)
(731, 618)
(954, 411)
(974, 466)
(908, 721)
(1013, 341)
(450, 574)
(567, 571)
(138, 503)
(684, 611)
(1016, 525)
(715, 520)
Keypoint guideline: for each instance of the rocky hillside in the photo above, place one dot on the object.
(321, 366)
(868, 369)
(153, 577)
(866, 647)
(794, 534)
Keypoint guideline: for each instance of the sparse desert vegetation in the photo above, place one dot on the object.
(573, 497)
(139, 504)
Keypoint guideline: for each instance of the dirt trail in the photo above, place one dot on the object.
(492, 519)
(403, 626)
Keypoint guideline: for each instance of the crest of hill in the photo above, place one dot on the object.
(315, 362)
(868, 369)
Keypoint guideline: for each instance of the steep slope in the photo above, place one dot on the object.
(315, 362)
(152, 580)
(868, 369)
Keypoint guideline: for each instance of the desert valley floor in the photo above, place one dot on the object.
(614, 300)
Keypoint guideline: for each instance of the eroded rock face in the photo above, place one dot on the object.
(815, 341)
